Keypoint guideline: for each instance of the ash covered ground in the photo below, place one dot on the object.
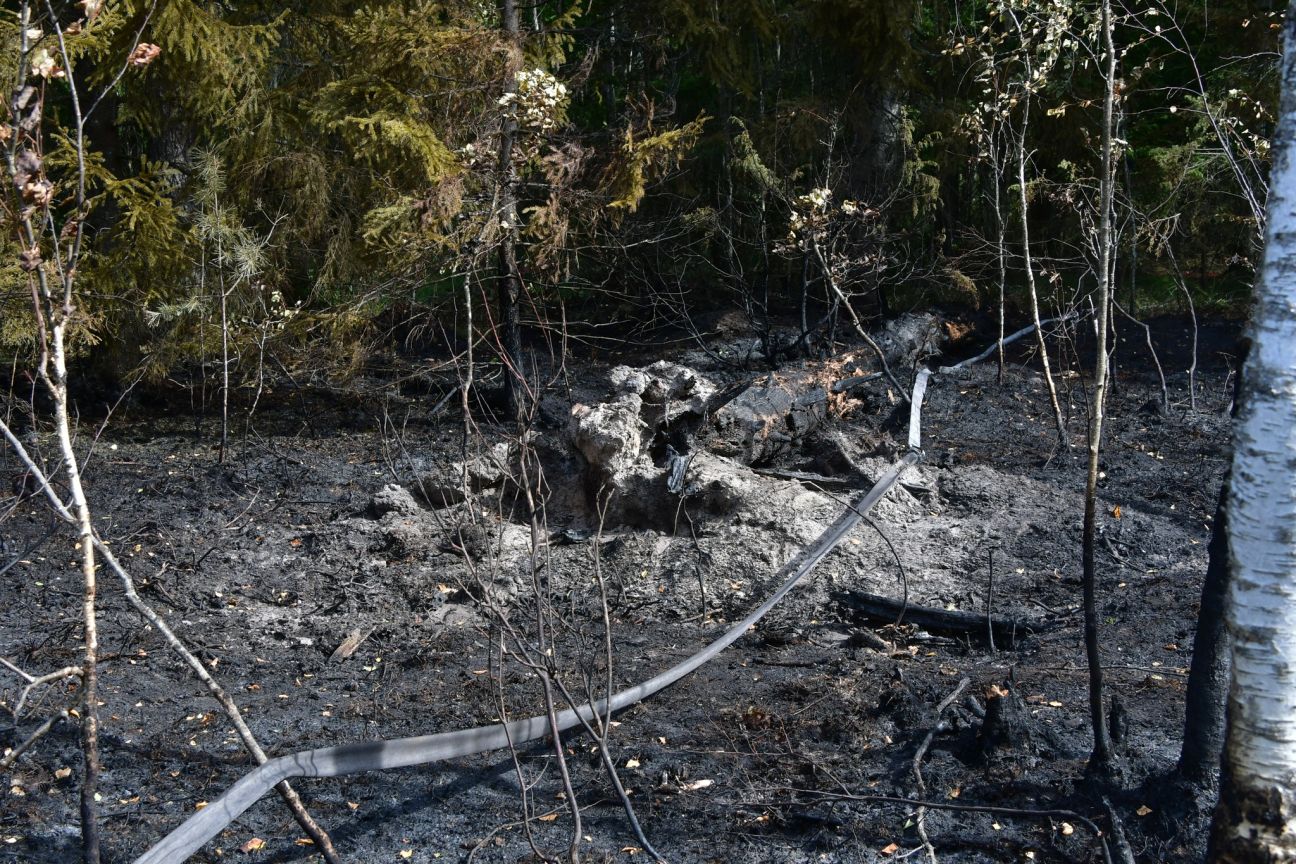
(371, 518)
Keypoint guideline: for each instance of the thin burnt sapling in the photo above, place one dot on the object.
(1103, 759)
(41, 230)
(50, 231)
(530, 647)
(1022, 92)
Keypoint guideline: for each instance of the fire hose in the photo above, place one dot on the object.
(383, 755)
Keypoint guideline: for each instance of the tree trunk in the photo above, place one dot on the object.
(1101, 760)
(1208, 677)
(1001, 229)
(1256, 817)
(1123, 128)
(57, 384)
(1030, 278)
(1207, 693)
(509, 278)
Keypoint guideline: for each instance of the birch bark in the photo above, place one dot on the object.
(1256, 817)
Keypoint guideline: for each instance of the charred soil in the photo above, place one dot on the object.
(371, 520)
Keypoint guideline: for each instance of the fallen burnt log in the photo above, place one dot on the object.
(891, 611)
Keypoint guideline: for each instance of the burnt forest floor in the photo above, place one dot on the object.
(266, 563)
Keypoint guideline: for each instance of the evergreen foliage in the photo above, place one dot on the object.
(360, 146)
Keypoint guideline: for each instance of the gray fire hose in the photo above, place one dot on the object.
(344, 759)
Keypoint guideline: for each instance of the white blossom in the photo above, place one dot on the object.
(44, 65)
(539, 99)
(816, 200)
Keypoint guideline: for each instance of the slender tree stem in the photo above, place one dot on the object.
(859, 326)
(1102, 759)
(510, 280)
(1027, 255)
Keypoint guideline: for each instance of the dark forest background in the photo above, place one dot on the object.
(333, 170)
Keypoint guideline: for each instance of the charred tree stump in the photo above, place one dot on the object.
(1008, 726)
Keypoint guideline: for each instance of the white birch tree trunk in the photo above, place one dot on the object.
(1256, 818)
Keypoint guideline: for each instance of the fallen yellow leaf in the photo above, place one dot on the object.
(256, 844)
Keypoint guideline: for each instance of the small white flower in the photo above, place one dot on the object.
(540, 96)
